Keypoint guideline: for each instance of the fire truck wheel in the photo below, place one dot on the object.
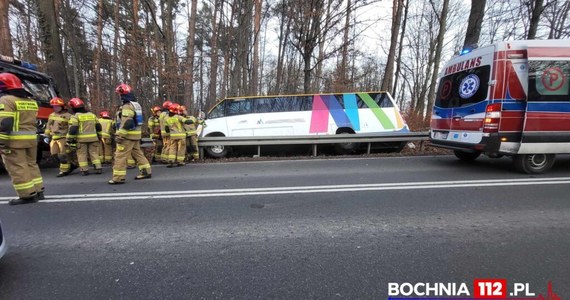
(466, 156)
(533, 163)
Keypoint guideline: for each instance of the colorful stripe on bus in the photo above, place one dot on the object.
(327, 105)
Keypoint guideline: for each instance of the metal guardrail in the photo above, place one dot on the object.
(311, 140)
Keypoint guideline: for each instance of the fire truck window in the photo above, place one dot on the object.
(548, 80)
(463, 88)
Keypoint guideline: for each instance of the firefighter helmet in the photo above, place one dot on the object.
(57, 102)
(155, 109)
(9, 81)
(76, 103)
(104, 114)
(181, 109)
(123, 89)
(174, 108)
(167, 104)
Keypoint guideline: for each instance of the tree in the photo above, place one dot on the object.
(49, 32)
(189, 86)
(475, 21)
(5, 36)
(388, 81)
(537, 8)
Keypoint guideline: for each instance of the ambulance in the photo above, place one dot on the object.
(510, 98)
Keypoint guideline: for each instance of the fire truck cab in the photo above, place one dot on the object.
(509, 98)
(40, 85)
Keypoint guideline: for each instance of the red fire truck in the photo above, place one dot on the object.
(509, 98)
(40, 85)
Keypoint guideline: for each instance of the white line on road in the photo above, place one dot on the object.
(299, 190)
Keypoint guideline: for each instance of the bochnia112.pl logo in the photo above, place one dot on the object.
(481, 288)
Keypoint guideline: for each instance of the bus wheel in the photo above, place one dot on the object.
(533, 163)
(218, 151)
(466, 156)
(345, 148)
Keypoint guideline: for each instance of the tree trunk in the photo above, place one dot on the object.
(189, 92)
(399, 61)
(97, 62)
(342, 78)
(475, 21)
(254, 84)
(5, 37)
(211, 100)
(535, 18)
(388, 81)
(437, 58)
(49, 32)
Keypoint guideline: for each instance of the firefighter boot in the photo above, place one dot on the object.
(26, 200)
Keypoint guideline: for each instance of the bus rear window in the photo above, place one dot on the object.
(463, 88)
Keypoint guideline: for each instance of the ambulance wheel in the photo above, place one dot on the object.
(218, 151)
(533, 163)
(466, 156)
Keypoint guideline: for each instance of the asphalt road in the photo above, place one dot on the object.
(326, 229)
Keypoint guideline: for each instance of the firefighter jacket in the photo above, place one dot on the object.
(107, 128)
(162, 121)
(58, 125)
(18, 122)
(84, 128)
(131, 121)
(175, 127)
(190, 128)
(154, 127)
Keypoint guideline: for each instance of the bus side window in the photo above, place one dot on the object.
(262, 105)
(218, 111)
(382, 100)
(239, 107)
(306, 102)
(360, 103)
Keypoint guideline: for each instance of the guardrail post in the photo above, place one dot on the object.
(201, 152)
(368, 149)
(258, 151)
(314, 149)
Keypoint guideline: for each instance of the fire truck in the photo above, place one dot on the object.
(510, 98)
(40, 85)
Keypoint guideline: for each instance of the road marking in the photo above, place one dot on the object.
(299, 190)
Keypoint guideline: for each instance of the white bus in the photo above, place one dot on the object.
(295, 115)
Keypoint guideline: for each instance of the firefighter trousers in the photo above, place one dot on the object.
(24, 171)
(177, 151)
(106, 151)
(165, 148)
(62, 152)
(157, 152)
(125, 148)
(86, 152)
(192, 141)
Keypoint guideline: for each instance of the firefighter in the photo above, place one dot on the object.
(18, 139)
(84, 135)
(131, 164)
(154, 129)
(128, 138)
(175, 127)
(57, 128)
(192, 137)
(107, 132)
(165, 135)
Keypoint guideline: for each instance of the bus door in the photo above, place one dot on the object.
(239, 120)
(547, 116)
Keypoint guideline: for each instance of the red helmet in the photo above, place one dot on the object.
(167, 104)
(57, 102)
(9, 81)
(174, 108)
(104, 114)
(123, 89)
(155, 109)
(181, 109)
(76, 103)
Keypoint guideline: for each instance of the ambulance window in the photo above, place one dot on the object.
(463, 88)
(548, 80)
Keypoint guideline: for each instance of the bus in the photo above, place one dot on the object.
(297, 115)
(42, 88)
(510, 98)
